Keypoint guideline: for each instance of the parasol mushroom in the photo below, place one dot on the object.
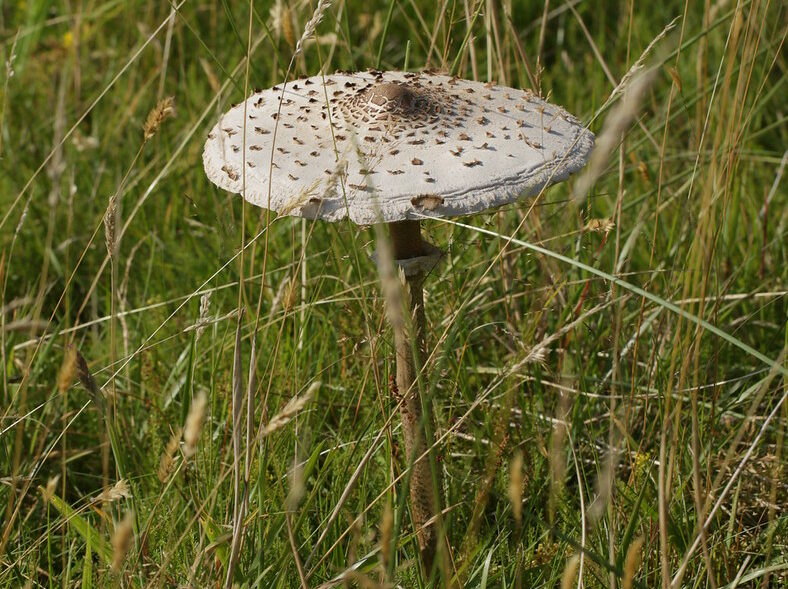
(393, 148)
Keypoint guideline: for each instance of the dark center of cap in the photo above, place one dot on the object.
(392, 97)
(404, 104)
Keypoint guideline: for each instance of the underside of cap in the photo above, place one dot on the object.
(390, 146)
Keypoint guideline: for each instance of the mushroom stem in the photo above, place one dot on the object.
(417, 424)
(406, 240)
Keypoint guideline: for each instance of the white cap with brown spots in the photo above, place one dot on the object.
(390, 146)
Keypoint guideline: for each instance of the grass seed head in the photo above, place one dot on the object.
(290, 294)
(110, 217)
(68, 370)
(194, 424)
(286, 295)
(205, 308)
(168, 456)
(516, 486)
(164, 110)
(311, 26)
(600, 225)
(293, 407)
(288, 30)
(570, 572)
(88, 382)
(49, 491)
(119, 490)
(121, 540)
(386, 528)
(632, 562)
(297, 488)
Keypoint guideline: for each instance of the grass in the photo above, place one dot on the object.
(620, 339)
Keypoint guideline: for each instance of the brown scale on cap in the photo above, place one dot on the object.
(232, 174)
(429, 202)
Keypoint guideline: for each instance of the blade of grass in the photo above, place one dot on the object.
(84, 529)
(384, 35)
(87, 566)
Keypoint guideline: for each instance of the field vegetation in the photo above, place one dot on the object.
(607, 360)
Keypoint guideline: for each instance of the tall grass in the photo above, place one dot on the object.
(608, 360)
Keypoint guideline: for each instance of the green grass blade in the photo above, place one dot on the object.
(486, 569)
(84, 529)
(87, 567)
(384, 35)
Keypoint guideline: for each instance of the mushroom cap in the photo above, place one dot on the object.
(390, 146)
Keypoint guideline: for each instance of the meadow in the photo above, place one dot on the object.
(607, 360)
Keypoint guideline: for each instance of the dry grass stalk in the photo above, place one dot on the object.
(637, 67)
(557, 456)
(616, 125)
(210, 75)
(275, 17)
(632, 563)
(68, 370)
(239, 496)
(352, 550)
(168, 456)
(674, 74)
(396, 290)
(22, 219)
(119, 490)
(407, 296)
(293, 407)
(516, 486)
(194, 424)
(121, 540)
(164, 110)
